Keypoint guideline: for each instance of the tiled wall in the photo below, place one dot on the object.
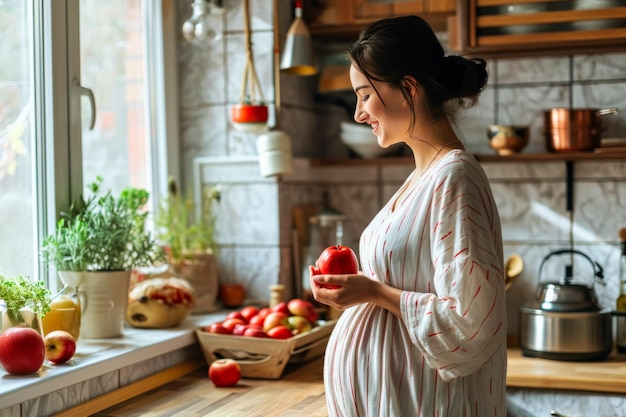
(255, 216)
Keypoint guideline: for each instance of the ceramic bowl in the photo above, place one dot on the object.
(361, 140)
(507, 139)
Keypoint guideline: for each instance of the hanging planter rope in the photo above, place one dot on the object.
(251, 114)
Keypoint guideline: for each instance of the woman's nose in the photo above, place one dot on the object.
(359, 115)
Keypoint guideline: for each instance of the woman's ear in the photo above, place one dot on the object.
(410, 85)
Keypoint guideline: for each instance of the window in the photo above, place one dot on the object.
(56, 54)
(17, 211)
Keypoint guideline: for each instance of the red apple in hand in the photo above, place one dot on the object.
(337, 260)
(60, 346)
(224, 372)
(22, 350)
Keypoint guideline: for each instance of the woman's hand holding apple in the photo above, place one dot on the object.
(335, 278)
(335, 260)
(353, 289)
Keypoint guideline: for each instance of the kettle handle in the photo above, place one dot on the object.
(597, 269)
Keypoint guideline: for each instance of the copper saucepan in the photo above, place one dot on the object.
(569, 130)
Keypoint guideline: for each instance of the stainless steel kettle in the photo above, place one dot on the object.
(565, 320)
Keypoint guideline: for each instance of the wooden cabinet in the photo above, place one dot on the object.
(343, 19)
(506, 27)
(371, 9)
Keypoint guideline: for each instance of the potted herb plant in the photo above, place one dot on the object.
(96, 245)
(188, 234)
(23, 301)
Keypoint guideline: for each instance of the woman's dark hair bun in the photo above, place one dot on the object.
(463, 77)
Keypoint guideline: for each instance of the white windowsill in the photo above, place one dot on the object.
(95, 357)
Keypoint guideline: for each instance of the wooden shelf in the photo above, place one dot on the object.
(485, 28)
(520, 157)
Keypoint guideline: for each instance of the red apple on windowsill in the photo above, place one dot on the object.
(22, 350)
(60, 346)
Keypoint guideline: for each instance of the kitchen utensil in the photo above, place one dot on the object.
(512, 269)
(570, 130)
(565, 321)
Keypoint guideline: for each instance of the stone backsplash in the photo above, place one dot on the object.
(255, 216)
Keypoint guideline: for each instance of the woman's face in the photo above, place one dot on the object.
(389, 121)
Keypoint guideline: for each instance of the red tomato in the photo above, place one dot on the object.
(224, 372)
(249, 312)
(337, 259)
(249, 113)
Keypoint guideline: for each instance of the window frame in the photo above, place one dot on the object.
(57, 88)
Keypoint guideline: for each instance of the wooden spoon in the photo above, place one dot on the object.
(512, 269)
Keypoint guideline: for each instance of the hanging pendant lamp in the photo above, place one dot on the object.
(298, 57)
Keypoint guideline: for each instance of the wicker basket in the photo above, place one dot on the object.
(265, 358)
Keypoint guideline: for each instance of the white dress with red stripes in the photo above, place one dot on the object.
(446, 355)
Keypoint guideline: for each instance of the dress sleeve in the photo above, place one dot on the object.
(461, 324)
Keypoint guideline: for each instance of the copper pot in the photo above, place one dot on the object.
(570, 130)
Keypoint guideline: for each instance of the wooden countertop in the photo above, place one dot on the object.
(300, 390)
(607, 376)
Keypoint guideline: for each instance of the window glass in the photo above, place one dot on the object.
(113, 66)
(113, 54)
(17, 212)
